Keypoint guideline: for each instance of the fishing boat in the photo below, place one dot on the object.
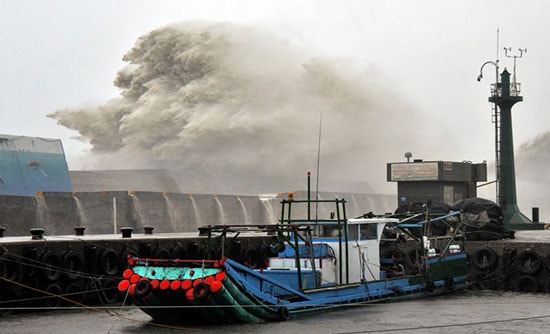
(304, 265)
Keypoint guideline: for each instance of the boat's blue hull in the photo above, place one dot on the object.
(229, 292)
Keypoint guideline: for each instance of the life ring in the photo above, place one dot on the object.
(51, 265)
(528, 262)
(485, 259)
(526, 283)
(10, 268)
(250, 258)
(108, 262)
(73, 263)
(143, 289)
(201, 291)
(283, 312)
(450, 283)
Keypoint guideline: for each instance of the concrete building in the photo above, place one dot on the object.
(443, 182)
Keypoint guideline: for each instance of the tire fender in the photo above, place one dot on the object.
(143, 289)
(485, 259)
(52, 264)
(201, 291)
(109, 262)
(283, 312)
(528, 262)
(526, 283)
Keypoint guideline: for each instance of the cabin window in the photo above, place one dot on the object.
(330, 232)
(353, 232)
(369, 231)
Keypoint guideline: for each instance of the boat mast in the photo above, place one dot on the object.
(318, 167)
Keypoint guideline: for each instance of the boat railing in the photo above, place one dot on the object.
(337, 218)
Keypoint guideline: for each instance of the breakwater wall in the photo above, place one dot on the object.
(521, 264)
(58, 213)
(39, 271)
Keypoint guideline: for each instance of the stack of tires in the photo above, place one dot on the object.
(522, 272)
(528, 265)
(484, 275)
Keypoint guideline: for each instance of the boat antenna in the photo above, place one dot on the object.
(318, 164)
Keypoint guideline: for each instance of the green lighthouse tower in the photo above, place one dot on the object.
(505, 95)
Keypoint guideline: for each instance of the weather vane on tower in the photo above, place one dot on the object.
(514, 85)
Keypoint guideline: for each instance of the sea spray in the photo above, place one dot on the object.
(233, 109)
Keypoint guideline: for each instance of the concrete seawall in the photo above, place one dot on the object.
(105, 212)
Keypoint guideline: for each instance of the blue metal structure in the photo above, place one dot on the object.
(29, 165)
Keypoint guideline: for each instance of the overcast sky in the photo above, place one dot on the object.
(62, 54)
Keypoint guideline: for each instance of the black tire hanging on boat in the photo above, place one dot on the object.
(109, 262)
(201, 291)
(485, 259)
(143, 289)
(73, 263)
(526, 283)
(528, 262)
(283, 312)
(51, 264)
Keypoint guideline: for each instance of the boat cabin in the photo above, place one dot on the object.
(340, 253)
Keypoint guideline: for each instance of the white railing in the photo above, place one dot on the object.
(515, 89)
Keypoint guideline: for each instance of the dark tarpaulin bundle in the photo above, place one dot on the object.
(483, 219)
